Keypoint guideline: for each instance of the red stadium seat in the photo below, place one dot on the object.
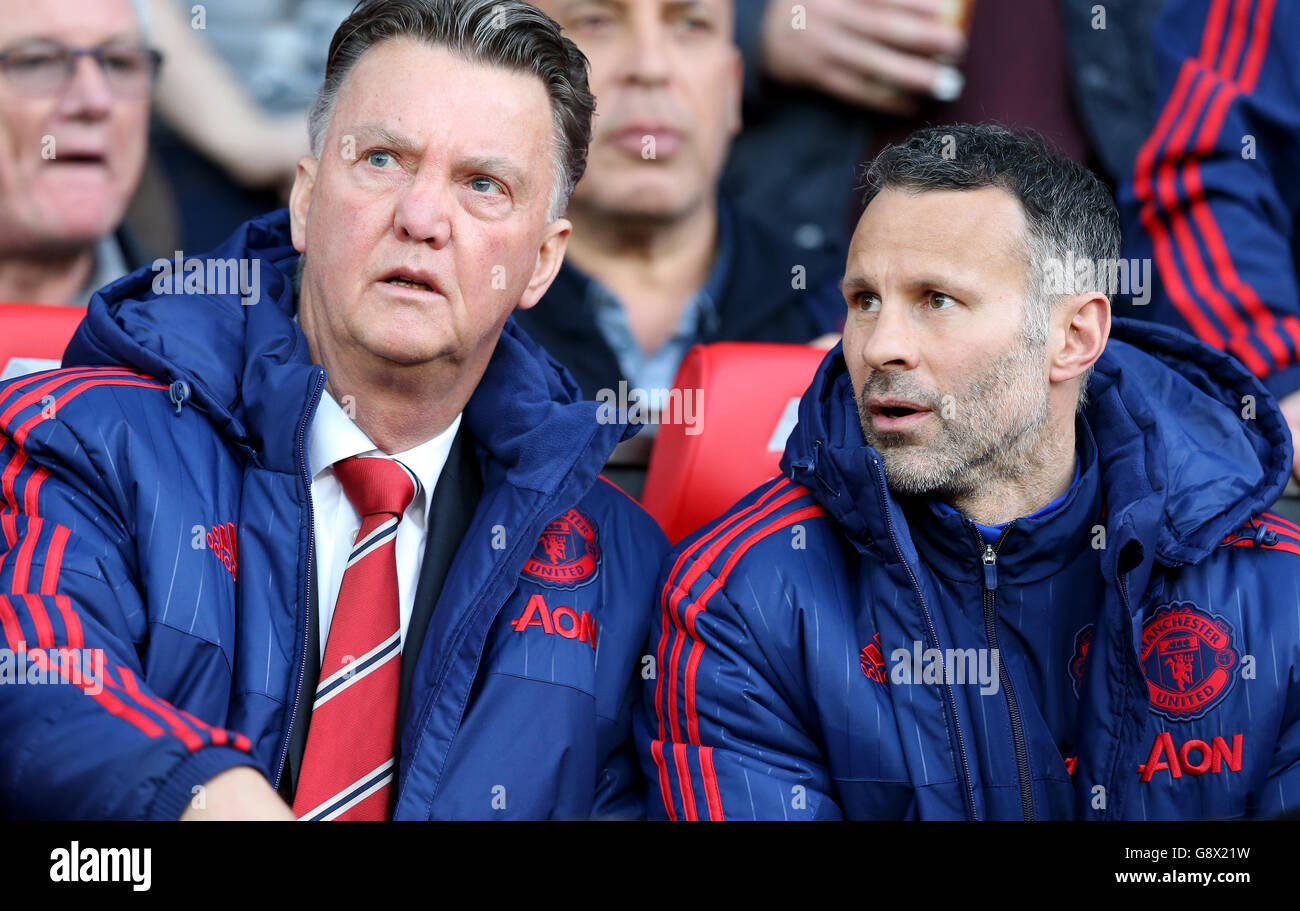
(747, 409)
(33, 337)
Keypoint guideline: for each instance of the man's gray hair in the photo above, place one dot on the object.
(1069, 213)
(503, 33)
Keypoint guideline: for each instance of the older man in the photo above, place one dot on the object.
(75, 80)
(979, 593)
(659, 260)
(331, 528)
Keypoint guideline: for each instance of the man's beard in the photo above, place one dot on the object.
(994, 433)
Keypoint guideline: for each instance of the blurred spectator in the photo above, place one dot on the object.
(232, 109)
(244, 116)
(75, 82)
(828, 83)
(657, 260)
(1213, 199)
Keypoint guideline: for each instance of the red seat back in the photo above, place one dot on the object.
(746, 410)
(33, 337)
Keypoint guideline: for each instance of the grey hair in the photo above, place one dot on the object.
(504, 33)
(1069, 212)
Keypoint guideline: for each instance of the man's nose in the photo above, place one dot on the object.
(891, 342)
(648, 61)
(423, 211)
(88, 93)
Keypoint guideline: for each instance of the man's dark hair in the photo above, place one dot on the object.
(504, 33)
(1067, 209)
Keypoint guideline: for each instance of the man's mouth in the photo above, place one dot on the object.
(79, 157)
(404, 283)
(894, 409)
(895, 414)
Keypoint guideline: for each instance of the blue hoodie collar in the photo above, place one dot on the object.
(1033, 547)
(249, 368)
(1189, 446)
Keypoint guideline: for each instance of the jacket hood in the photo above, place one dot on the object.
(246, 363)
(1190, 446)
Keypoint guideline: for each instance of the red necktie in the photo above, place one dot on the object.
(348, 767)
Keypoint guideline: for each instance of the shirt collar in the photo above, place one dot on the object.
(334, 436)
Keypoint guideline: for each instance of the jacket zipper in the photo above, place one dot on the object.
(305, 588)
(989, 556)
(971, 811)
(1128, 612)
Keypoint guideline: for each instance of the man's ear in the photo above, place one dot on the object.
(1083, 335)
(549, 257)
(304, 181)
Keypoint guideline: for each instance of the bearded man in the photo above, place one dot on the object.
(1017, 565)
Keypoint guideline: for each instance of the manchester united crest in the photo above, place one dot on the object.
(567, 555)
(1188, 659)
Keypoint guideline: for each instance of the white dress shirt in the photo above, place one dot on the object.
(335, 436)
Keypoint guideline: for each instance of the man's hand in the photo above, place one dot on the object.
(240, 793)
(1291, 414)
(880, 54)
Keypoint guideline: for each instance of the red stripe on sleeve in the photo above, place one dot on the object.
(49, 383)
(1212, 33)
(54, 560)
(186, 735)
(1274, 519)
(684, 782)
(109, 702)
(1236, 38)
(1258, 46)
(670, 584)
(26, 550)
(711, 784)
(71, 622)
(20, 435)
(697, 648)
(40, 620)
(657, 751)
(12, 468)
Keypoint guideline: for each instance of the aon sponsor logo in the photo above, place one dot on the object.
(562, 621)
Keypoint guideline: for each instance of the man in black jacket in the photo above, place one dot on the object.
(657, 260)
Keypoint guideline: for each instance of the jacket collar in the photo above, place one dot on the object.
(1031, 548)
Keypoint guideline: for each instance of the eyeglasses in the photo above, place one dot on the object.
(45, 68)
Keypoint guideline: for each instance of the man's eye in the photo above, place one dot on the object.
(380, 159)
(695, 24)
(868, 303)
(36, 60)
(125, 62)
(939, 301)
(485, 185)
